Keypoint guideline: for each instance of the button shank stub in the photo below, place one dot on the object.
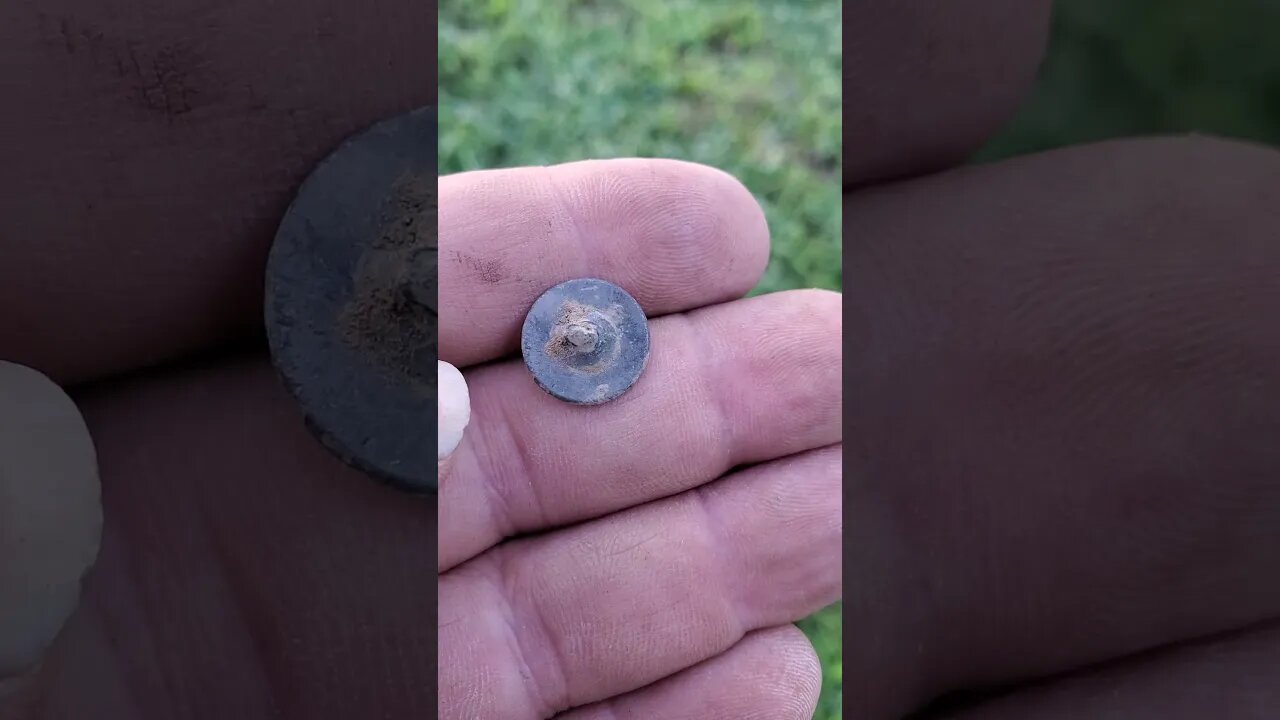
(585, 341)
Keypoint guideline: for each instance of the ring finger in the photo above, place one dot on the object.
(541, 625)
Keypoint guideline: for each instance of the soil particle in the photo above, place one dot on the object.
(381, 321)
(571, 313)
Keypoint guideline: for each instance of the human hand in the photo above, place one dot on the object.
(652, 553)
(1066, 379)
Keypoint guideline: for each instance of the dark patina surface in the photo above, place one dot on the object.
(351, 301)
(586, 341)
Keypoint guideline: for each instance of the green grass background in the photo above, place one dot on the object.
(753, 87)
(750, 87)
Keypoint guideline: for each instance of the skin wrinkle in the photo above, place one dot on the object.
(735, 630)
(132, 580)
(503, 485)
(127, 536)
(588, 265)
(500, 482)
(809, 679)
(538, 516)
(223, 581)
(1223, 669)
(769, 675)
(693, 228)
(714, 532)
(607, 712)
(795, 688)
(674, 242)
(700, 355)
(550, 692)
(243, 607)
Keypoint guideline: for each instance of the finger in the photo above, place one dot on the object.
(586, 613)
(674, 235)
(50, 516)
(1237, 677)
(726, 386)
(1067, 378)
(242, 566)
(925, 85)
(164, 141)
(770, 675)
(454, 413)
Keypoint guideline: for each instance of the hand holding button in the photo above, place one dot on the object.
(648, 487)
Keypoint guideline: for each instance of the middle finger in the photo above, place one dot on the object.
(729, 385)
(676, 235)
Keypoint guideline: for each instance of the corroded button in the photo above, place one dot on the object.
(586, 341)
(351, 301)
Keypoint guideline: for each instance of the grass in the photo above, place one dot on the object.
(751, 88)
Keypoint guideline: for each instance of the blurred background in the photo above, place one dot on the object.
(754, 88)
(750, 87)
(1152, 66)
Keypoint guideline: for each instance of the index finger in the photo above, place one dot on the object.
(675, 235)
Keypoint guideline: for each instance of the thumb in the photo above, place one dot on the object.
(454, 402)
(50, 517)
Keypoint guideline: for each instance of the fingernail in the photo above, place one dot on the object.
(455, 409)
(52, 514)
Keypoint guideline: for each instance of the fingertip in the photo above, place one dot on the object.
(750, 234)
(933, 82)
(50, 514)
(700, 216)
(454, 410)
(798, 684)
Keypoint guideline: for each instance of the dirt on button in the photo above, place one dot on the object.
(381, 321)
(572, 312)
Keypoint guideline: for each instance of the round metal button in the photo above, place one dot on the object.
(351, 301)
(585, 341)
